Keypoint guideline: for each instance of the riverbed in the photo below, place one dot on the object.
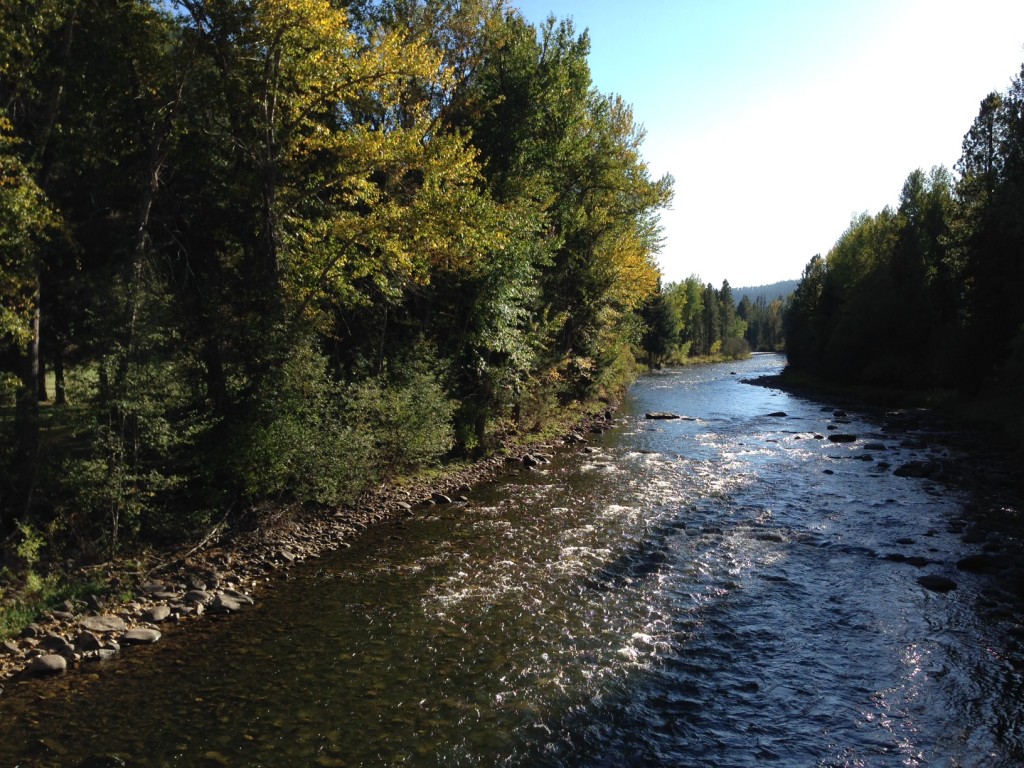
(739, 586)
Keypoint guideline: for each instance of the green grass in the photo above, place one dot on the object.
(39, 595)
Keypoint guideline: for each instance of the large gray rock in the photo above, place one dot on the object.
(197, 597)
(240, 597)
(48, 664)
(156, 614)
(87, 641)
(51, 641)
(140, 636)
(103, 624)
(225, 604)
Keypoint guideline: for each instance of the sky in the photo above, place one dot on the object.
(780, 120)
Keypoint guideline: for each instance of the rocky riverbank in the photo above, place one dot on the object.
(226, 574)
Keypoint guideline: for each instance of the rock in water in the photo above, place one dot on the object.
(661, 415)
(936, 583)
(920, 469)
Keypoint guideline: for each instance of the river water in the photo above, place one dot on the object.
(718, 591)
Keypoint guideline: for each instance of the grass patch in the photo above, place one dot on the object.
(40, 595)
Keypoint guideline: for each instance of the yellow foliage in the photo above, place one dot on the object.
(367, 188)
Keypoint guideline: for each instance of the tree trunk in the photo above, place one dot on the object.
(59, 388)
(44, 397)
(26, 423)
(216, 381)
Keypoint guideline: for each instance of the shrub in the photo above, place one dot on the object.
(409, 416)
(310, 438)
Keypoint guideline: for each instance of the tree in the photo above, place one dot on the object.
(26, 221)
(805, 317)
(663, 324)
(990, 195)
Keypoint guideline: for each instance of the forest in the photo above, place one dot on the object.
(928, 295)
(692, 321)
(282, 251)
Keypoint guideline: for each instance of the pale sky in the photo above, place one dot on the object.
(782, 119)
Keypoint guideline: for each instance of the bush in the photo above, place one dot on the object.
(735, 347)
(120, 469)
(409, 417)
(312, 439)
(294, 440)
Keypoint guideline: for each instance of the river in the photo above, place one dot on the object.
(728, 589)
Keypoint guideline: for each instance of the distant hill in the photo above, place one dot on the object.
(770, 292)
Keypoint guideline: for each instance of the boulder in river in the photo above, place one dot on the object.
(661, 415)
(936, 583)
(921, 469)
(842, 437)
(983, 563)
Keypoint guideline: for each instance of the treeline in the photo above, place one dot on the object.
(695, 320)
(928, 294)
(283, 249)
